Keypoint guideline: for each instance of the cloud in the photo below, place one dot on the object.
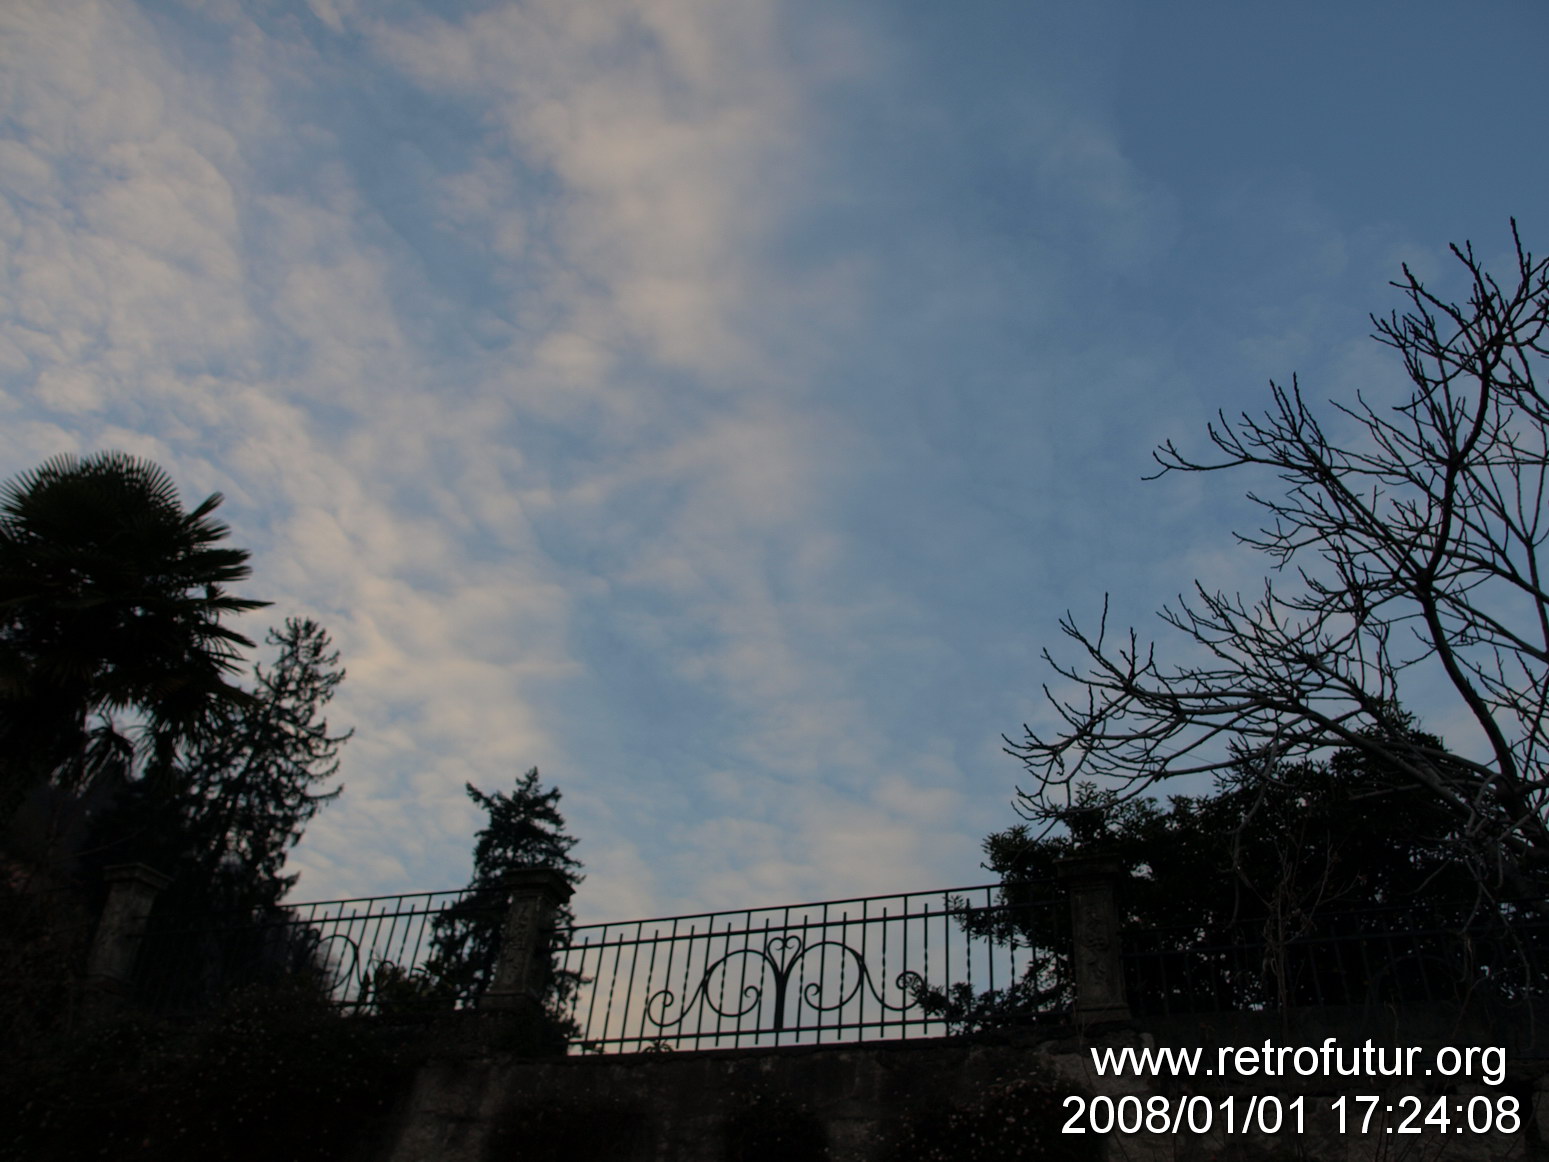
(532, 420)
(667, 125)
(623, 402)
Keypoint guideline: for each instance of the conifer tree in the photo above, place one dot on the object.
(222, 815)
(525, 830)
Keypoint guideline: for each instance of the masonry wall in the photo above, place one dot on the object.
(961, 1099)
(796, 1105)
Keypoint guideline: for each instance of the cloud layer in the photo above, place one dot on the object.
(713, 405)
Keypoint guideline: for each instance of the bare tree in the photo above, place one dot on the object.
(1411, 550)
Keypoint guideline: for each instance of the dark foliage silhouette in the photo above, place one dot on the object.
(1415, 549)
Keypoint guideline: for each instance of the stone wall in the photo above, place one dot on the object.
(800, 1104)
(963, 1099)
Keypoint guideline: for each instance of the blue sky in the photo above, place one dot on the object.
(717, 405)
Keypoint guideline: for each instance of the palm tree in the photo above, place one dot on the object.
(111, 600)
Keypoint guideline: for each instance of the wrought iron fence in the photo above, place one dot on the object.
(830, 971)
(915, 964)
(369, 954)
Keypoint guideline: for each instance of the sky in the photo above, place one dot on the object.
(718, 405)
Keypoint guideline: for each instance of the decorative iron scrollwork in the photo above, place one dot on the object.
(347, 975)
(780, 955)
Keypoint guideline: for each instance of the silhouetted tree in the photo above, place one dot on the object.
(220, 818)
(111, 605)
(1317, 851)
(524, 830)
(1416, 548)
(231, 803)
(114, 660)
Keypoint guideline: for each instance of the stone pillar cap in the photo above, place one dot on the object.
(1089, 864)
(547, 879)
(121, 872)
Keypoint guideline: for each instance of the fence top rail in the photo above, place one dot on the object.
(1370, 908)
(411, 905)
(375, 899)
(771, 926)
(316, 912)
(942, 893)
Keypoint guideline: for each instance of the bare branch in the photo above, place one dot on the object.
(1414, 548)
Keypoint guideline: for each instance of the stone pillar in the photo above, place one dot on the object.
(1094, 922)
(523, 967)
(132, 891)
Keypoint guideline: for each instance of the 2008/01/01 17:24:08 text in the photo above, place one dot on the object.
(1267, 1114)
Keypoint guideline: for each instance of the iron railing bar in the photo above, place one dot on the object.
(607, 1020)
(886, 929)
(784, 984)
(618, 957)
(683, 996)
(781, 907)
(822, 969)
(650, 975)
(798, 926)
(193, 928)
(742, 981)
(591, 1002)
(720, 1000)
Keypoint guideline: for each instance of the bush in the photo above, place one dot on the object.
(43, 942)
(275, 1073)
